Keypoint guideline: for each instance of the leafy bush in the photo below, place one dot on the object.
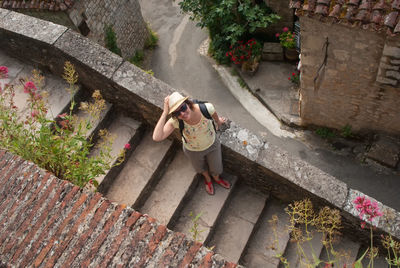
(286, 38)
(59, 145)
(138, 58)
(111, 40)
(325, 133)
(152, 40)
(228, 21)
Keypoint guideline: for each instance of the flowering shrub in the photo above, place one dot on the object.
(244, 51)
(295, 78)
(59, 145)
(303, 219)
(286, 38)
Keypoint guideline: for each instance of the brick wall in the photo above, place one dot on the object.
(123, 15)
(348, 90)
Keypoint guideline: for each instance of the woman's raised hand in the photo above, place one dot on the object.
(166, 104)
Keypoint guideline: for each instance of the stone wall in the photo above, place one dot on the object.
(347, 90)
(281, 7)
(253, 160)
(124, 16)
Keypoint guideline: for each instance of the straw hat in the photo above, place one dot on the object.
(175, 100)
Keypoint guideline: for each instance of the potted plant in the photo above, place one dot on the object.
(288, 42)
(246, 54)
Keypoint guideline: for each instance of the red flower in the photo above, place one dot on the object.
(29, 87)
(365, 207)
(34, 113)
(289, 78)
(127, 146)
(3, 72)
(293, 74)
(285, 29)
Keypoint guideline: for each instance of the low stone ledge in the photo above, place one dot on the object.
(34, 28)
(89, 53)
(392, 227)
(4, 12)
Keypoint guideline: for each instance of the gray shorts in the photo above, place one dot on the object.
(209, 159)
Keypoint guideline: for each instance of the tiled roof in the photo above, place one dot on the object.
(45, 221)
(377, 14)
(51, 5)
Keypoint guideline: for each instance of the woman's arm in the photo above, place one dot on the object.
(218, 120)
(163, 129)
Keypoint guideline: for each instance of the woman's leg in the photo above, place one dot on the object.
(198, 160)
(214, 161)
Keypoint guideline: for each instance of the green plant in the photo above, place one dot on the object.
(328, 222)
(286, 38)
(295, 78)
(241, 82)
(138, 58)
(152, 40)
(111, 40)
(150, 72)
(325, 133)
(241, 51)
(59, 145)
(346, 131)
(228, 21)
(195, 226)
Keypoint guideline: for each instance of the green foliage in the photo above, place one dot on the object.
(59, 145)
(138, 58)
(325, 133)
(228, 21)
(286, 38)
(150, 72)
(152, 40)
(111, 40)
(241, 82)
(195, 226)
(346, 132)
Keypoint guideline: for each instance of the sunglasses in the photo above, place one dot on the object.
(180, 110)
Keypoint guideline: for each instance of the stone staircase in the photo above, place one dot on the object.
(156, 179)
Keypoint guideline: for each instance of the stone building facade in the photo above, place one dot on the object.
(350, 65)
(92, 16)
(124, 16)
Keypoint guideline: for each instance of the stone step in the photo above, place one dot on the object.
(312, 249)
(125, 130)
(141, 171)
(210, 208)
(270, 238)
(169, 195)
(347, 250)
(237, 222)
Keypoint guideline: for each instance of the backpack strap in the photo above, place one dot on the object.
(181, 127)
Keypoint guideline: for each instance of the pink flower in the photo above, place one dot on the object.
(277, 34)
(3, 72)
(29, 87)
(285, 29)
(34, 113)
(62, 115)
(365, 207)
(127, 146)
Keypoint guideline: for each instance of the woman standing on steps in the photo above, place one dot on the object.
(200, 142)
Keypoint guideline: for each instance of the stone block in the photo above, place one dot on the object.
(82, 49)
(272, 52)
(393, 74)
(386, 81)
(385, 151)
(41, 30)
(391, 51)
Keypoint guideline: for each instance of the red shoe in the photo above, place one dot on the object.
(223, 183)
(209, 187)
